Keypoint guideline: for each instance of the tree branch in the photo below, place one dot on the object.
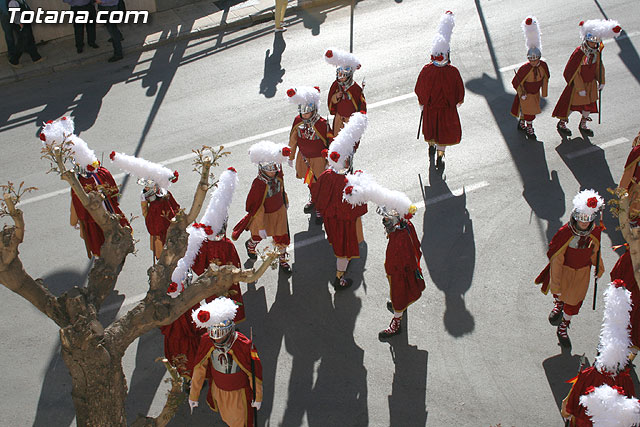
(158, 309)
(201, 191)
(631, 234)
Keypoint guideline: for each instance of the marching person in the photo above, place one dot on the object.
(92, 177)
(267, 202)
(531, 80)
(623, 270)
(584, 74)
(440, 92)
(342, 221)
(157, 203)
(230, 363)
(346, 97)
(630, 180)
(310, 134)
(402, 261)
(573, 250)
(611, 366)
(207, 244)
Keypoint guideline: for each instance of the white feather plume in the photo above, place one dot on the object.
(81, 153)
(614, 336)
(608, 408)
(56, 131)
(214, 216)
(268, 152)
(220, 310)
(442, 40)
(142, 168)
(601, 28)
(365, 189)
(344, 143)
(304, 95)
(531, 33)
(341, 58)
(581, 200)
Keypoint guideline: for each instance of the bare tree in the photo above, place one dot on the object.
(93, 353)
(620, 207)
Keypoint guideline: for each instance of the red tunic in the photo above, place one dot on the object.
(92, 233)
(311, 148)
(352, 103)
(440, 90)
(402, 265)
(593, 377)
(632, 162)
(588, 73)
(339, 216)
(159, 214)
(624, 270)
(242, 354)
(530, 87)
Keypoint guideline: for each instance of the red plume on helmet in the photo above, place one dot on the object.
(291, 92)
(329, 53)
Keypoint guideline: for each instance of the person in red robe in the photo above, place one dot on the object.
(310, 134)
(584, 74)
(342, 222)
(630, 181)
(230, 363)
(530, 80)
(611, 366)
(157, 203)
(440, 92)
(623, 270)
(207, 244)
(346, 97)
(267, 202)
(572, 251)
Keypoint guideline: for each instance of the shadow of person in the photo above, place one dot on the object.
(448, 246)
(541, 190)
(273, 71)
(55, 402)
(407, 401)
(589, 166)
(312, 19)
(561, 368)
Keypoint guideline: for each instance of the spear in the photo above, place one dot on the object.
(253, 381)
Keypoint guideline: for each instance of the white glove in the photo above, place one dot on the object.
(193, 404)
(256, 405)
(460, 104)
(76, 227)
(263, 234)
(290, 162)
(582, 93)
(421, 107)
(601, 86)
(523, 97)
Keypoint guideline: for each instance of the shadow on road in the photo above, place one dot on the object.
(448, 247)
(273, 71)
(559, 369)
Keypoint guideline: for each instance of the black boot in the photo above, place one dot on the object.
(583, 126)
(308, 207)
(394, 328)
(563, 336)
(440, 162)
(562, 128)
(251, 249)
(556, 313)
(521, 125)
(341, 283)
(530, 132)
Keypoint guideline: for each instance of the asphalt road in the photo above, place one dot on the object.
(477, 349)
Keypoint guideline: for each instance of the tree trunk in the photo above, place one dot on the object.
(99, 386)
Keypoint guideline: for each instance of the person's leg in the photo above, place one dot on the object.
(91, 27)
(30, 43)
(8, 36)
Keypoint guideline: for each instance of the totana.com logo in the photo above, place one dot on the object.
(41, 16)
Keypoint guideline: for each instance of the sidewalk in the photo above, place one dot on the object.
(194, 20)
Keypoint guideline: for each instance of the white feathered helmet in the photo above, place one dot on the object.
(148, 172)
(532, 40)
(610, 407)
(269, 155)
(587, 204)
(57, 131)
(615, 342)
(83, 156)
(212, 226)
(346, 64)
(217, 316)
(343, 145)
(306, 98)
(441, 46)
(597, 30)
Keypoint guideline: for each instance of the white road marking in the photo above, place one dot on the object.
(227, 145)
(455, 193)
(514, 66)
(595, 148)
(626, 36)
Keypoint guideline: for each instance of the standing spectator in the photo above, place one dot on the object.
(78, 28)
(281, 9)
(26, 42)
(8, 31)
(116, 37)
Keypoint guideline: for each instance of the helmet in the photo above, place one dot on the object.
(222, 329)
(440, 49)
(587, 205)
(217, 316)
(345, 72)
(391, 219)
(441, 59)
(269, 167)
(533, 54)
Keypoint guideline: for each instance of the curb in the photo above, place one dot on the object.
(246, 21)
